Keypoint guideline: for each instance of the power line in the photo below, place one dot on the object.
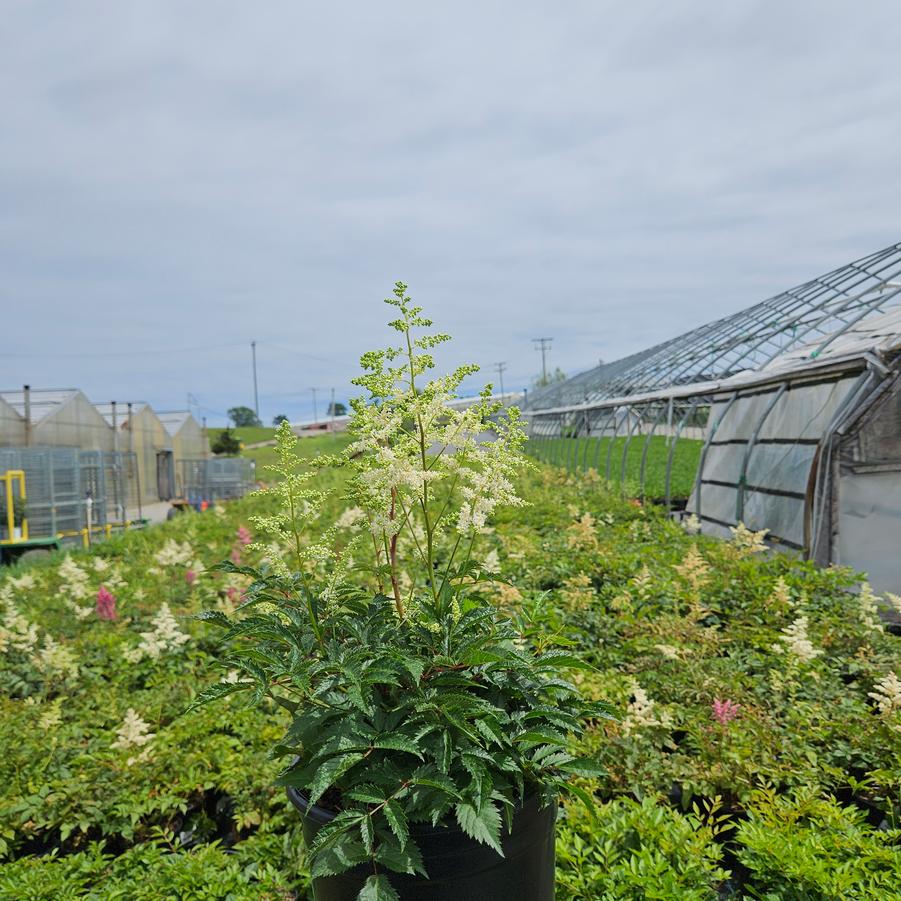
(296, 353)
(544, 345)
(123, 353)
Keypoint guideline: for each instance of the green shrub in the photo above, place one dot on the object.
(811, 848)
(639, 850)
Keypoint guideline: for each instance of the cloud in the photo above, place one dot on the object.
(181, 177)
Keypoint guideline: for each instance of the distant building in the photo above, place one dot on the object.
(64, 418)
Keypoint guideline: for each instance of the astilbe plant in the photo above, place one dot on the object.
(411, 697)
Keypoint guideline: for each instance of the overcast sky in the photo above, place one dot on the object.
(177, 179)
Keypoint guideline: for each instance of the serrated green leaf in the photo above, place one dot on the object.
(368, 794)
(329, 772)
(414, 667)
(217, 691)
(378, 888)
(542, 736)
(367, 833)
(582, 767)
(484, 824)
(397, 743)
(436, 780)
(406, 860)
(397, 820)
(490, 731)
(337, 859)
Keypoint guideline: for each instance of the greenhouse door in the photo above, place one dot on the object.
(165, 475)
(869, 529)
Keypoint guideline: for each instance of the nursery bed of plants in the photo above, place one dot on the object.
(757, 752)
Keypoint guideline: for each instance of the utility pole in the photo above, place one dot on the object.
(256, 399)
(315, 414)
(544, 345)
(500, 367)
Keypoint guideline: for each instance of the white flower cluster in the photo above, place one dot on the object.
(780, 596)
(23, 583)
(644, 712)
(54, 659)
(746, 541)
(484, 490)
(16, 633)
(350, 517)
(794, 641)
(165, 636)
(691, 524)
(74, 587)
(887, 695)
(668, 651)
(134, 733)
(74, 579)
(868, 603)
(174, 553)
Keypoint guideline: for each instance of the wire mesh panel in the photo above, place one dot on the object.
(59, 480)
(109, 478)
(217, 478)
(53, 487)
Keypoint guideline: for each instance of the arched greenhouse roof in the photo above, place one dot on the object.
(812, 315)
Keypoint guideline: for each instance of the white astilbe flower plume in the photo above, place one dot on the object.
(133, 732)
(164, 637)
(643, 712)
(173, 553)
(887, 695)
(796, 642)
(74, 579)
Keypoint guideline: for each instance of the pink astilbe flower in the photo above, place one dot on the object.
(106, 604)
(190, 577)
(236, 555)
(244, 536)
(234, 594)
(725, 711)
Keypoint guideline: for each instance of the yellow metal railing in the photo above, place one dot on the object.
(10, 477)
(87, 535)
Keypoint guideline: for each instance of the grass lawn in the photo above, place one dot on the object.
(248, 435)
(606, 456)
(306, 447)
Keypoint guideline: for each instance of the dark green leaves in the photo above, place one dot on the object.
(397, 820)
(447, 717)
(378, 888)
(482, 823)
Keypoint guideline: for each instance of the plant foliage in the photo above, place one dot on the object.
(417, 700)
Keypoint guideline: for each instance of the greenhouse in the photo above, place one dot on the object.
(64, 418)
(187, 439)
(138, 430)
(784, 417)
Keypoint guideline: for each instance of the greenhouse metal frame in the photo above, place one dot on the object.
(793, 408)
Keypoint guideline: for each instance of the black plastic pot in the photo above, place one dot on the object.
(459, 868)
